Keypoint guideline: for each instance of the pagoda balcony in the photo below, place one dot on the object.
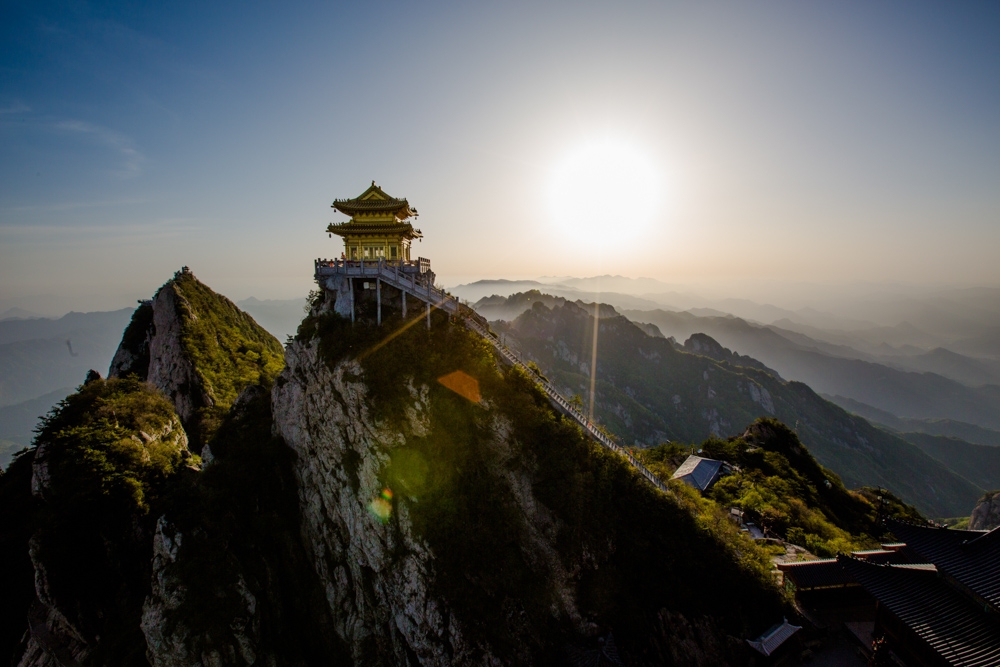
(416, 271)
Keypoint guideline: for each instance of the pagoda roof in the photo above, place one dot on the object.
(355, 228)
(375, 200)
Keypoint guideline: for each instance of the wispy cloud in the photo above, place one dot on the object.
(16, 107)
(158, 229)
(70, 206)
(111, 139)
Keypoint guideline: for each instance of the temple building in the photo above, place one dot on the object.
(378, 228)
(375, 273)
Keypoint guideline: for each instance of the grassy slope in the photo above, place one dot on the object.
(634, 550)
(229, 349)
(649, 392)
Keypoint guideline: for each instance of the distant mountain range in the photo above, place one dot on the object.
(38, 356)
(280, 317)
(834, 370)
(938, 384)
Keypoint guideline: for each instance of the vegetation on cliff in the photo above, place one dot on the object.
(104, 460)
(228, 349)
(629, 555)
(114, 443)
(240, 524)
(779, 484)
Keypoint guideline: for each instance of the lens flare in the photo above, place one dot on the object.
(381, 506)
(462, 384)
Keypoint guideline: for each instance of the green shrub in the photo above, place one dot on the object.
(114, 443)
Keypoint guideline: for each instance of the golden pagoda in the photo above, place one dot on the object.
(377, 228)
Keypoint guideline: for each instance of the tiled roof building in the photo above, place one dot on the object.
(698, 472)
(378, 228)
(934, 595)
(971, 558)
(927, 620)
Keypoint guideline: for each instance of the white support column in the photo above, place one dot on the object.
(378, 299)
(350, 284)
(428, 316)
(403, 291)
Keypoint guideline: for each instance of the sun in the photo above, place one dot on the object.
(604, 193)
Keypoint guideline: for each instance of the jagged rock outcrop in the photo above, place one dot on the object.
(198, 349)
(986, 515)
(172, 641)
(132, 355)
(152, 349)
(98, 459)
(376, 576)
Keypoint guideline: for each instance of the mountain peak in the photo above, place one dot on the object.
(199, 349)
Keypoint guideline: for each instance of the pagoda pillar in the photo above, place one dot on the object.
(350, 286)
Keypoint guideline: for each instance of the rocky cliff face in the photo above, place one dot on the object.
(198, 349)
(97, 461)
(451, 529)
(152, 349)
(376, 575)
(986, 514)
(108, 474)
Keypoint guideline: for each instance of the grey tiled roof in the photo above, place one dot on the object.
(698, 472)
(971, 557)
(770, 641)
(817, 574)
(951, 625)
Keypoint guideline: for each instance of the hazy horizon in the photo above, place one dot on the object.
(754, 152)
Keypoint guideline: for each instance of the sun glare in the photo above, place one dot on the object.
(605, 192)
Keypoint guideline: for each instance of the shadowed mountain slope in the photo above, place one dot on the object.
(647, 391)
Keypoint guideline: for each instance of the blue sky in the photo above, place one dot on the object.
(794, 141)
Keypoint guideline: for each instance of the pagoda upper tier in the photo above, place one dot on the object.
(377, 228)
(374, 202)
